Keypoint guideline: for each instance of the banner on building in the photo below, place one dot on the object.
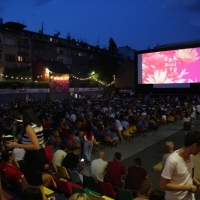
(59, 82)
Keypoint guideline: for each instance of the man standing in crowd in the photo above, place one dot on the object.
(98, 167)
(177, 176)
(116, 172)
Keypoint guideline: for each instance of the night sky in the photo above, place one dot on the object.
(137, 23)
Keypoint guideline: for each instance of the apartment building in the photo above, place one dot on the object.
(20, 48)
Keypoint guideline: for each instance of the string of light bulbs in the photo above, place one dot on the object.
(91, 77)
(58, 78)
(16, 77)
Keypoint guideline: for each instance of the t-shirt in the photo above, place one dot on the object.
(114, 171)
(58, 157)
(179, 172)
(88, 137)
(11, 173)
(97, 169)
(39, 133)
(19, 154)
(164, 158)
(135, 177)
(70, 161)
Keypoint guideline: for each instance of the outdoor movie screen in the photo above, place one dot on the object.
(169, 67)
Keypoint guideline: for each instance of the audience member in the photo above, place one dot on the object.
(59, 155)
(19, 155)
(115, 172)
(72, 161)
(88, 142)
(33, 143)
(177, 176)
(186, 125)
(120, 129)
(98, 167)
(32, 193)
(169, 146)
(11, 173)
(112, 135)
(137, 175)
(157, 194)
(79, 196)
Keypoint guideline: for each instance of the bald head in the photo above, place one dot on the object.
(169, 146)
(101, 155)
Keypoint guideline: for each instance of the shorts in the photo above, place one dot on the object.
(34, 162)
(120, 128)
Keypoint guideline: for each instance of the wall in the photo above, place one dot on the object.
(8, 95)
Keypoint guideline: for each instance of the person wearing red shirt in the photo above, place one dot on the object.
(135, 177)
(88, 142)
(115, 172)
(9, 171)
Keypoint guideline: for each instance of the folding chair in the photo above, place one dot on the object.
(124, 194)
(89, 182)
(75, 177)
(62, 172)
(107, 189)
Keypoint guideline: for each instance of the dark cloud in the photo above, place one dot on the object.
(41, 2)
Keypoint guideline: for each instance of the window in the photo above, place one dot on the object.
(1, 55)
(10, 42)
(82, 54)
(50, 39)
(20, 59)
(10, 57)
(1, 39)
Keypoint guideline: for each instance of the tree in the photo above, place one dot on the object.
(112, 46)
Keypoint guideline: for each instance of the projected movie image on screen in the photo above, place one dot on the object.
(169, 67)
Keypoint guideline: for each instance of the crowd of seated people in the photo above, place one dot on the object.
(75, 124)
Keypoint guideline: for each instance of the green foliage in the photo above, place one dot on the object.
(23, 84)
(105, 67)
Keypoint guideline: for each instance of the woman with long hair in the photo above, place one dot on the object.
(88, 142)
(33, 142)
(32, 193)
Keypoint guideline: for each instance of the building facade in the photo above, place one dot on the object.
(20, 48)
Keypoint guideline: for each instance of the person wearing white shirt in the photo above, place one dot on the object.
(59, 155)
(124, 124)
(73, 117)
(120, 129)
(198, 110)
(98, 167)
(177, 178)
(19, 154)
